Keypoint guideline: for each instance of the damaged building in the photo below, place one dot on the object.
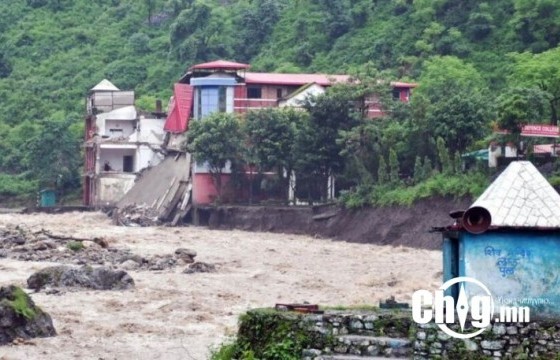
(116, 134)
(120, 143)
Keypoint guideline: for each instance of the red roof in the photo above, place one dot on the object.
(293, 79)
(220, 64)
(180, 109)
(302, 79)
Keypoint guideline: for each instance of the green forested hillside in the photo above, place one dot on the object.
(53, 51)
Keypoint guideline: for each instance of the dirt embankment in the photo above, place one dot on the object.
(395, 225)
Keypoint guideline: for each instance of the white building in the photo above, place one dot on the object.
(119, 143)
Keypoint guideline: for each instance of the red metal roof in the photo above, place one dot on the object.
(302, 79)
(220, 64)
(180, 112)
(293, 79)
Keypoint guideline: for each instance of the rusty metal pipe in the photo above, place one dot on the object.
(477, 220)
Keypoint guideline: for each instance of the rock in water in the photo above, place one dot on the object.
(199, 267)
(98, 278)
(20, 317)
(187, 255)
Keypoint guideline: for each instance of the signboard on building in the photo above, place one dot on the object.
(536, 130)
(540, 130)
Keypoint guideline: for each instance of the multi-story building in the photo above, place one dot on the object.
(119, 143)
(228, 87)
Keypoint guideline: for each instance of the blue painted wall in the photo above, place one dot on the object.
(519, 268)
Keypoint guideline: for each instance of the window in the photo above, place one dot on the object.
(116, 133)
(279, 93)
(211, 99)
(396, 94)
(222, 99)
(254, 93)
(128, 163)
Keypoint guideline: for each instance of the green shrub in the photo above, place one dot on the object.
(75, 245)
(461, 185)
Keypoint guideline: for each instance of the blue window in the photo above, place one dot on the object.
(211, 99)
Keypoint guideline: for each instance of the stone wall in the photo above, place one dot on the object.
(534, 340)
(356, 334)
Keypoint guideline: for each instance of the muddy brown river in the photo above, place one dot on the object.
(172, 315)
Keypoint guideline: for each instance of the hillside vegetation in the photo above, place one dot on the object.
(53, 51)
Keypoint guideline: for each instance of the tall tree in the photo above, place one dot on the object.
(317, 148)
(451, 102)
(542, 71)
(271, 135)
(520, 106)
(460, 119)
(54, 155)
(215, 140)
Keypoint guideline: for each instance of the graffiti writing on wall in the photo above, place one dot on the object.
(508, 263)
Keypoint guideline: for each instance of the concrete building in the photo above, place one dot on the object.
(509, 240)
(228, 87)
(119, 143)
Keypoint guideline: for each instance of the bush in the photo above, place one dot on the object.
(462, 185)
(12, 185)
(75, 245)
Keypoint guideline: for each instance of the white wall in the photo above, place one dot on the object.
(123, 114)
(147, 157)
(298, 99)
(112, 188)
(151, 131)
(128, 127)
(114, 157)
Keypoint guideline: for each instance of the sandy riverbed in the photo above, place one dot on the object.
(171, 315)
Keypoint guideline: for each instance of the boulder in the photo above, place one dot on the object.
(187, 255)
(98, 278)
(129, 265)
(20, 318)
(199, 267)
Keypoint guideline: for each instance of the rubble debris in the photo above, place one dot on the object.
(199, 267)
(391, 303)
(21, 243)
(161, 195)
(186, 255)
(21, 319)
(136, 215)
(97, 278)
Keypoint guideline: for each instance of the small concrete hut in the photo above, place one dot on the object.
(509, 240)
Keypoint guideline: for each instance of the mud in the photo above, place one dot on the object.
(406, 226)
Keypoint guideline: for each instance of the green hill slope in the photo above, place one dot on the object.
(53, 51)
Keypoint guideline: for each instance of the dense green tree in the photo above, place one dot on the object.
(418, 170)
(317, 147)
(445, 162)
(460, 119)
(394, 167)
(271, 135)
(361, 146)
(215, 140)
(535, 23)
(445, 75)
(451, 103)
(253, 25)
(481, 22)
(542, 71)
(520, 106)
(50, 57)
(383, 176)
(54, 155)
